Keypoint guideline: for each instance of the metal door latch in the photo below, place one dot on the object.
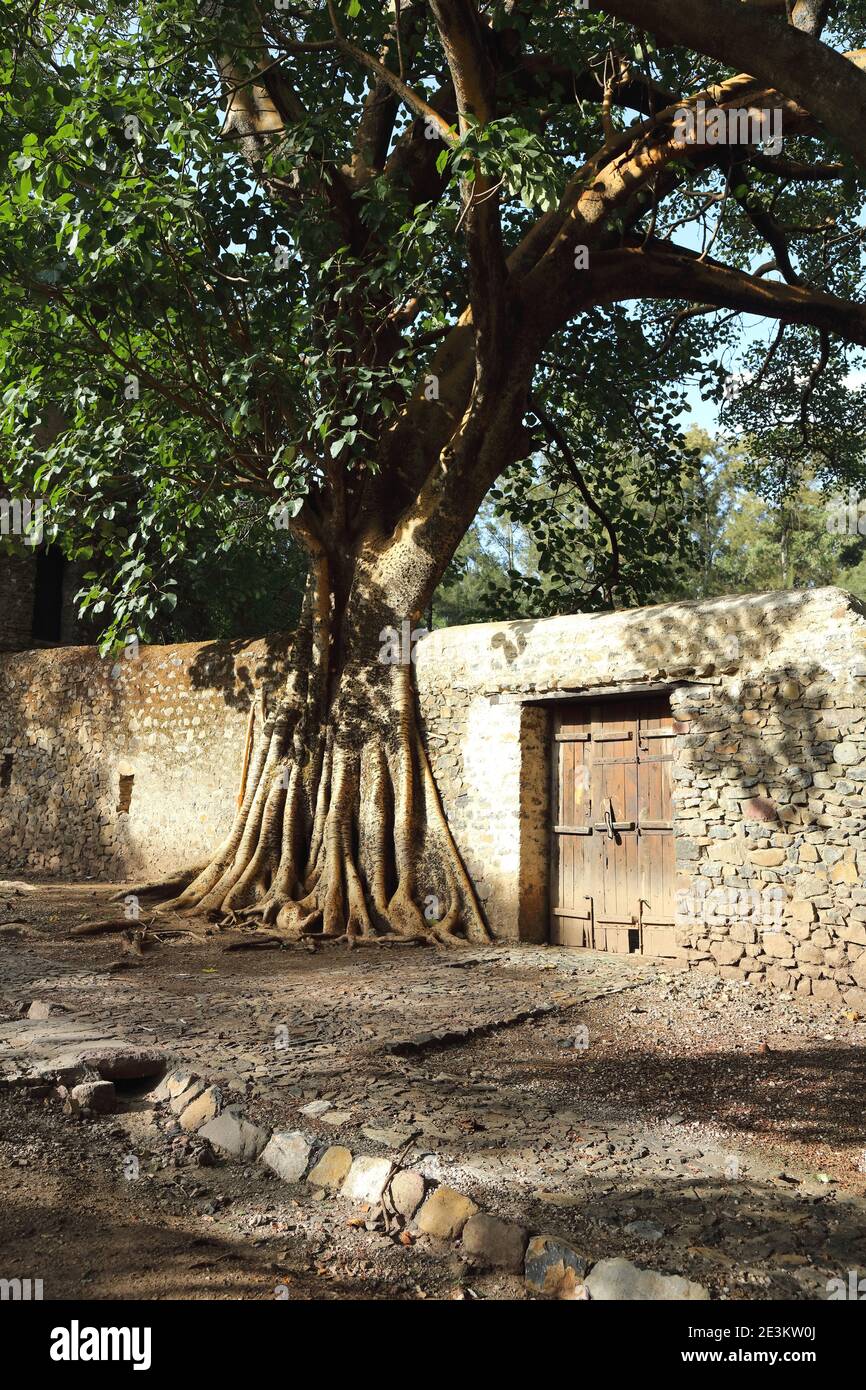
(611, 825)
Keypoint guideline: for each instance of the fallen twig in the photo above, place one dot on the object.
(396, 1164)
(257, 942)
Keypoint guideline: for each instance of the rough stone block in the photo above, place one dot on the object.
(844, 873)
(445, 1213)
(287, 1153)
(856, 999)
(99, 1096)
(171, 1085)
(619, 1279)
(489, 1241)
(42, 1009)
(407, 1192)
(552, 1267)
(768, 858)
(231, 1134)
(727, 852)
(331, 1169)
(778, 944)
(810, 954)
(365, 1180)
(726, 952)
(204, 1107)
(848, 754)
(827, 990)
(780, 979)
(182, 1099)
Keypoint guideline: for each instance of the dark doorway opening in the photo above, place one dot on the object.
(48, 595)
(124, 800)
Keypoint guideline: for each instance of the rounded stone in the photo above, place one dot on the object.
(490, 1241)
(445, 1213)
(407, 1192)
(99, 1096)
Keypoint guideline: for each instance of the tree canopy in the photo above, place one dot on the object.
(237, 240)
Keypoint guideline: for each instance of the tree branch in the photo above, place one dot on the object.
(795, 170)
(474, 79)
(556, 436)
(662, 272)
(829, 85)
(375, 128)
(411, 99)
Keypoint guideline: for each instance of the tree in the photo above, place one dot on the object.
(335, 257)
(475, 587)
(749, 535)
(232, 583)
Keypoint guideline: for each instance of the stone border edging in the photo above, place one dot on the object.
(551, 1267)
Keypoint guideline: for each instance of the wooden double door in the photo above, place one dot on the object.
(613, 862)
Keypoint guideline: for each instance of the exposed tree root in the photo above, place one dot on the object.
(161, 886)
(341, 834)
(101, 928)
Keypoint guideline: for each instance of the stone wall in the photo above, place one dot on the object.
(17, 589)
(770, 794)
(770, 780)
(771, 806)
(72, 725)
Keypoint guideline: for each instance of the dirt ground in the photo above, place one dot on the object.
(71, 1218)
(694, 1125)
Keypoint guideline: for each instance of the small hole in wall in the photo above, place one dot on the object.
(6, 770)
(125, 796)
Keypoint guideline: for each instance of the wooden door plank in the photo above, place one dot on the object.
(655, 743)
(555, 880)
(570, 732)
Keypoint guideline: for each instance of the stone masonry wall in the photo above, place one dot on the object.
(771, 810)
(17, 588)
(72, 725)
(770, 777)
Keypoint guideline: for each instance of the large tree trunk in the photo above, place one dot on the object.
(341, 830)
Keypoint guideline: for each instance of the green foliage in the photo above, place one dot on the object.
(246, 588)
(183, 353)
(752, 537)
(720, 537)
